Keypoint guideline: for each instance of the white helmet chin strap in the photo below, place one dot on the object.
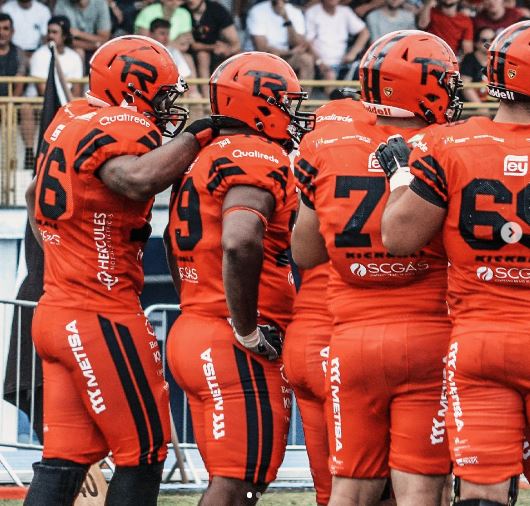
(387, 110)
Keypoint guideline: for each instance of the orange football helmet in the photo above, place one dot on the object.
(262, 91)
(138, 73)
(411, 73)
(508, 66)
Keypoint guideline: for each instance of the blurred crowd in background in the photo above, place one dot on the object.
(321, 39)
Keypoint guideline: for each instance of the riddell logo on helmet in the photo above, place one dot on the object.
(380, 110)
(505, 95)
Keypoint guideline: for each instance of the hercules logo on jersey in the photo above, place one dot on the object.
(218, 424)
(515, 165)
(103, 242)
(335, 389)
(94, 393)
(453, 390)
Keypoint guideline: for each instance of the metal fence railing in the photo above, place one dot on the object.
(21, 383)
(20, 117)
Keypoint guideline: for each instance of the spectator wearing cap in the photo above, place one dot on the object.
(30, 19)
(277, 27)
(90, 23)
(170, 10)
(12, 59)
(442, 18)
(496, 15)
(329, 26)
(215, 37)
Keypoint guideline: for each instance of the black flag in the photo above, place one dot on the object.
(31, 289)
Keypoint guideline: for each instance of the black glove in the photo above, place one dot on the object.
(270, 341)
(204, 130)
(393, 155)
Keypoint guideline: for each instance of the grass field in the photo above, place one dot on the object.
(274, 498)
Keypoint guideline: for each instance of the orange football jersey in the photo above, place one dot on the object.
(478, 170)
(93, 238)
(343, 111)
(195, 225)
(340, 113)
(341, 179)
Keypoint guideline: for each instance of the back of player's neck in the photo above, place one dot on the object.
(516, 113)
(401, 122)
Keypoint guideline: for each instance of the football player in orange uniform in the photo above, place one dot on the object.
(99, 167)
(385, 406)
(471, 181)
(229, 233)
(306, 347)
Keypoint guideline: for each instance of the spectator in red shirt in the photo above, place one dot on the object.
(443, 19)
(496, 15)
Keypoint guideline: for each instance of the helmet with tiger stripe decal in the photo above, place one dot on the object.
(508, 67)
(138, 73)
(411, 73)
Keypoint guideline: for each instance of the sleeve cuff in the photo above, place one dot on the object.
(306, 201)
(424, 191)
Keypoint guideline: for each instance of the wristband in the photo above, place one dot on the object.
(402, 177)
(249, 341)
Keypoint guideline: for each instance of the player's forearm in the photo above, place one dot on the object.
(30, 201)
(172, 261)
(242, 262)
(142, 177)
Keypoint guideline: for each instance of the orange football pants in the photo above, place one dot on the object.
(240, 402)
(488, 381)
(385, 404)
(103, 387)
(305, 356)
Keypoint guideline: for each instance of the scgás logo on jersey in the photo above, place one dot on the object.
(504, 274)
(106, 259)
(189, 274)
(400, 269)
(239, 153)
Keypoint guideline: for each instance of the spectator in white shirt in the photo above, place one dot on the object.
(30, 19)
(277, 27)
(329, 26)
(71, 64)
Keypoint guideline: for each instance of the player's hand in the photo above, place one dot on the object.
(204, 130)
(266, 340)
(394, 160)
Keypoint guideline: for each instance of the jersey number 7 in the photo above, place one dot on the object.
(351, 236)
